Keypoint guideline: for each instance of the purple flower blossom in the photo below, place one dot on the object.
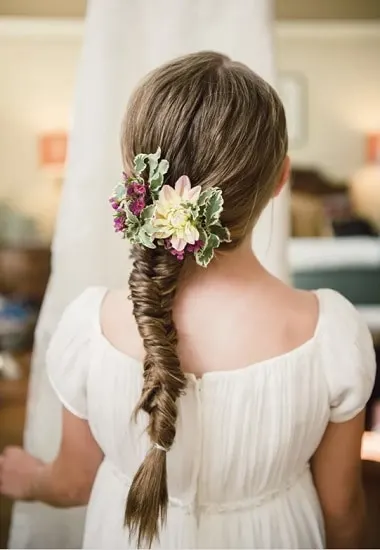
(136, 188)
(114, 203)
(194, 248)
(139, 188)
(137, 206)
(119, 222)
(180, 255)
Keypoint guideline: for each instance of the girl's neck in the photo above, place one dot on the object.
(238, 264)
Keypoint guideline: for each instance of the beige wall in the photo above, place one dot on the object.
(341, 73)
(37, 80)
(38, 72)
(284, 9)
(327, 9)
(43, 8)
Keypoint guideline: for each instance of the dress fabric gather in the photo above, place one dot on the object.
(238, 473)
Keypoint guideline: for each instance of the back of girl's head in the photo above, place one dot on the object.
(217, 122)
(221, 125)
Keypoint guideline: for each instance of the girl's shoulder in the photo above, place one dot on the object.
(68, 353)
(346, 351)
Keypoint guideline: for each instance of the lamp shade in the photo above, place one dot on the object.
(52, 149)
(373, 148)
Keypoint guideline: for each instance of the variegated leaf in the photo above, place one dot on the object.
(221, 232)
(153, 162)
(213, 208)
(145, 239)
(119, 191)
(139, 163)
(148, 212)
(205, 196)
(204, 256)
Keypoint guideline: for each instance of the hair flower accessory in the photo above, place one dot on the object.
(183, 219)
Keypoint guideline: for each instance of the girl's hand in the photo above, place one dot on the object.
(19, 472)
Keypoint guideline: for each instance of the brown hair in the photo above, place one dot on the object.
(222, 125)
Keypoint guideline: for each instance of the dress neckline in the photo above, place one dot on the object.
(270, 361)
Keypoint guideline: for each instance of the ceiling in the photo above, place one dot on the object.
(285, 9)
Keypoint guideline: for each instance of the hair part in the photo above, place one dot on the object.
(222, 125)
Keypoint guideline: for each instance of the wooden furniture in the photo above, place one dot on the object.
(24, 272)
(13, 395)
(371, 478)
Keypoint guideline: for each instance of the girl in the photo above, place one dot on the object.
(218, 407)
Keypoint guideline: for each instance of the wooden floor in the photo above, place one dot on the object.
(12, 415)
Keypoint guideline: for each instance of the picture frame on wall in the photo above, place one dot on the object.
(292, 90)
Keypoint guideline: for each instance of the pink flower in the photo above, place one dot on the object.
(139, 188)
(180, 255)
(194, 248)
(119, 222)
(114, 203)
(136, 188)
(137, 206)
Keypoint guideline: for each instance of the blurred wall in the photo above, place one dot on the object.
(338, 63)
(339, 67)
(37, 79)
(285, 9)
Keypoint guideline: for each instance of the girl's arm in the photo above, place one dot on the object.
(65, 482)
(337, 472)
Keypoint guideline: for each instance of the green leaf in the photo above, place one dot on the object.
(214, 208)
(148, 228)
(221, 232)
(156, 183)
(139, 163)
(148, 212)
(145, 239)
(119, 191)
(163, 167)
(133, 227)
(153, 159)
(131, 234)
(202, 235)
(132, 219)
(204, 256)
(194, 211)
(157, 178)
(205, 196)
(213, 241)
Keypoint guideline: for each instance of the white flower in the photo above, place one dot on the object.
(173, 214)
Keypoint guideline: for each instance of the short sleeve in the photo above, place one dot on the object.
(68, 354)
(349, 358)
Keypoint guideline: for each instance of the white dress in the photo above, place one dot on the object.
(238, 473)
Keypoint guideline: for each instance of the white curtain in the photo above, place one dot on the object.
(122, 41)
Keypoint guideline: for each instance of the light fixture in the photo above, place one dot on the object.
(365, 185)
(52, 149)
